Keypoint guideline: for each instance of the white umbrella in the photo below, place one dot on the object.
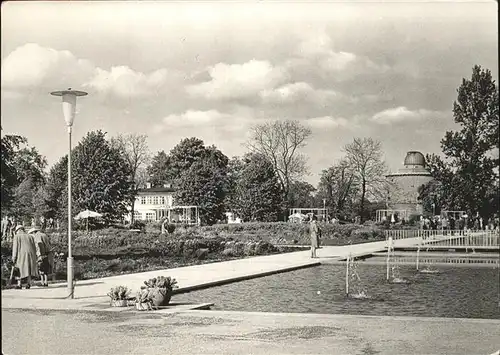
(86, 215)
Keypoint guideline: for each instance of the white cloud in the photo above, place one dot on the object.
(328, 122)
(33, 66)
(200, 119)
(122, 81)
(299, 91)
(235, 81)
(317, 52)
(402, 114)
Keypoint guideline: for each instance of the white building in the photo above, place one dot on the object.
(152, 203)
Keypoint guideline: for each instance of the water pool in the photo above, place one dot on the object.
(455, 292)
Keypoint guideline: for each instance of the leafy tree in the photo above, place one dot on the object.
(302, 194)
(364, 157)
(338, 186)
(22, 175)
(158, 170)
(134, 150)
(280, 142)
(234, 168)
(257, 193)
(30, 165)
(203, 185)
(9, 145)
(467, 176)
(100, 179)
(199, 175)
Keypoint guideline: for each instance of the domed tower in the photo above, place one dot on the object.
(405, 183)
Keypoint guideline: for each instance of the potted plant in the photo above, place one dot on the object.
(119, 296)
(143, 300)
(160, 290)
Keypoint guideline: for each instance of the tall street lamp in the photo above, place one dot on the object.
(69, 110)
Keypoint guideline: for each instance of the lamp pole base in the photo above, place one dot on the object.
(71, 289)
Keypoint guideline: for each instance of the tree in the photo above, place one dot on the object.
(31, 165)
(280, 142)
(364, 156)
(134, 150)
(301, 194)
(22, 175)
(158, 170)
(257, 193)
(467, 176)
(100, 179)
(199, 176)
(9, 145)
(202, 184)
(338, 186)
(234, 168)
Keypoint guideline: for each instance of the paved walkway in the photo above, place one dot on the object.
(92, 293)
(221, 333)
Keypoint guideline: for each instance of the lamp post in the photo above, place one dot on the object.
(69, 110)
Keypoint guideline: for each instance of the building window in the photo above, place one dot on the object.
(143, 200)
(137, 215)
(155, 200)
(162, 200)
(150, 216)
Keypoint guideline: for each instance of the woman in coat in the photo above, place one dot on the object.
(24, 256)
(45, 257)
(314, 230)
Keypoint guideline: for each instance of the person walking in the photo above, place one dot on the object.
(24, 256)
(315, 231)
(6, 225)
(45, 257)
(444, 225)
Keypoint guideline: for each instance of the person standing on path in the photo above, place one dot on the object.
(314, 230)
(24, 256)
(45, 257)
(6, 225)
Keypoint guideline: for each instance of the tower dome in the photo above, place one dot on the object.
(414, 158)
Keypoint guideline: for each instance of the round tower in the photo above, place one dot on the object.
(406, 182)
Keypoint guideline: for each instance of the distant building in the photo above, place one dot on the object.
(403, 195)
(152, 203)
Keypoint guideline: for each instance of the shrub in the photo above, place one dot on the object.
(119, 293)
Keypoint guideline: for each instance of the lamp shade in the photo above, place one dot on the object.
(69, 108)
(69, 103)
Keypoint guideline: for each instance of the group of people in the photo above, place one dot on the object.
(31, 256)
(9, 224)
(464, 222)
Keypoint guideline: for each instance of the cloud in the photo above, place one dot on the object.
(402, 114)
(122, 81)
(237, 81)
(299, 92)
(316, 52)
(326, 122)
(199, 119)
(32, 66)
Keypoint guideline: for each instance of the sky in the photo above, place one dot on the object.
(173, 70)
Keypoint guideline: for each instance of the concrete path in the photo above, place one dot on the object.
(221, 333)
(90, 293)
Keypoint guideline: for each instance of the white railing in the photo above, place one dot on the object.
(448, 238)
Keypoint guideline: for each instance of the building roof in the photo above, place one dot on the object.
(156, 189)
(414, 158)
